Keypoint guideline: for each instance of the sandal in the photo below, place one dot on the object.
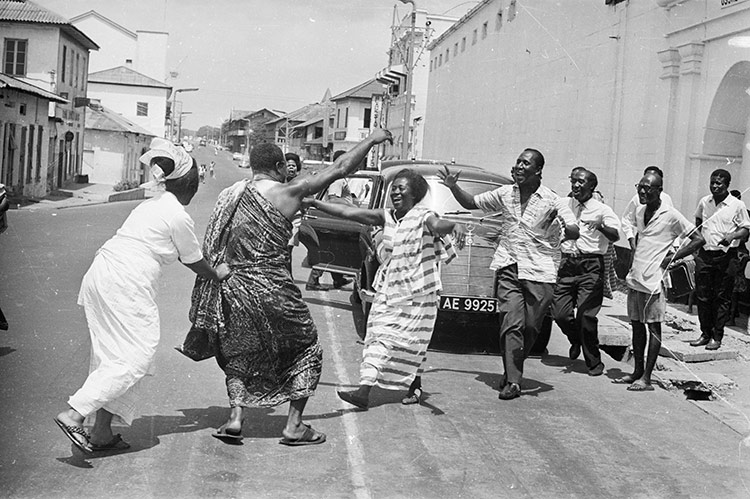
(413, 397)
(73, 432)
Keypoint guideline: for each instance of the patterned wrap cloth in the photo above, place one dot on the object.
(256, 322)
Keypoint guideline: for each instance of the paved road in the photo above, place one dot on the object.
(568, 436)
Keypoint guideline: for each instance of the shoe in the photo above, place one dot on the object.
(597, 370)
(352, 398)
(509, 391)
(703, 340)
(574, 352)
(314, 286)
(341, 283)
(713, 345)
(414, 397)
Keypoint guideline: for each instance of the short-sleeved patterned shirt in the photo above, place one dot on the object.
(530, 239)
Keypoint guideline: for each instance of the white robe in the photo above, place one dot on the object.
(118, 294)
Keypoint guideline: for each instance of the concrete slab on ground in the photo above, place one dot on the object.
(682, 351)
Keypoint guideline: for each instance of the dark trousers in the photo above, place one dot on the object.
(714, 280)
(523, 305)
(577, 300)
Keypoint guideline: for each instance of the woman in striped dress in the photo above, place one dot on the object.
(406, 285)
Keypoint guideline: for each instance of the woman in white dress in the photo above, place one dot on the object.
(118, 295)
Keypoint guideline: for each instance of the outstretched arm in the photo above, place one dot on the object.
(442, 227)
(345, 165)
(350, 212)
(450, 180)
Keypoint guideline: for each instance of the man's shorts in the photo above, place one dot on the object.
(646, 307)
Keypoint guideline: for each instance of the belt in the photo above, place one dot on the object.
(581, 256)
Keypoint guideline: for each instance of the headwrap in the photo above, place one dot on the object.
(163, 148)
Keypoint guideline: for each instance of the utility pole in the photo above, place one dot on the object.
(409, 74)
(172, 110)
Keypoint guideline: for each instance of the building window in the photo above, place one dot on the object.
(338, 118)
(15, 57)
(366, 118)
(346, 117)
(447, 54)
(499, 21)
(141, 109)
(484, 30)
(128, 61)
(463, 44)
(64, 63)
(22, 109)
(474, 37)
(78, 65)
(440, 60)
(455, 49)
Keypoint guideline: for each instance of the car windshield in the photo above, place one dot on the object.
(440, 199)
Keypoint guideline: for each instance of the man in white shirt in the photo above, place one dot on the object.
(657, 226)
(580, 278)
(526, 258)
(628, 215)
(723, 222)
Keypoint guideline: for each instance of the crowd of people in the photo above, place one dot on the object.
(552, 258)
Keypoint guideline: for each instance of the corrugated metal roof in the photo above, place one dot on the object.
(24, 11)
(301, 114)
(21, 86)
(364, 91)
(123, 75)
(101, 118)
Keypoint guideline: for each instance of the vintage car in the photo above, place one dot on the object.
(468, 318)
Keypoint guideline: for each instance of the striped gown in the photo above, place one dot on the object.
(404, 310)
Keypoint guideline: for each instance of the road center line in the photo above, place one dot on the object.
(355, 452)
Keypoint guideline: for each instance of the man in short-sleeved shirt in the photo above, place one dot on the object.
(526, 258)
(724, 222)
(657, 227)
(579, 292)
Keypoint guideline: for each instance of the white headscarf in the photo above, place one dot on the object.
(163, 148)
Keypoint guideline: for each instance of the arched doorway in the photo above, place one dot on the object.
(726, 130)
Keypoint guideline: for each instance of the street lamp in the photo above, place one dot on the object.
(172, 109)
(409, 69)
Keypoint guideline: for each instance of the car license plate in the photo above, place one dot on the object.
(469, 304)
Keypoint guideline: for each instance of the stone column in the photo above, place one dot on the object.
(683, 183)
(670, 61)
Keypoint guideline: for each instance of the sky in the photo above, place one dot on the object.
(251, 54)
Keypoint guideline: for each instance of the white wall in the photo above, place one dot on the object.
(115, 46)
(122, 99)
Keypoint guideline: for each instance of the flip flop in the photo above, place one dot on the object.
(640, 387)
(71, 432)
(117, 443)
(309, 437)
(228, 436)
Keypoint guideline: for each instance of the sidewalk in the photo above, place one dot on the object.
(83, 195)
(717, 382)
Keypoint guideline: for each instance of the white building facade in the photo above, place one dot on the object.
(614, 88)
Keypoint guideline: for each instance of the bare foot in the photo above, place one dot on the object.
(641, 385)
